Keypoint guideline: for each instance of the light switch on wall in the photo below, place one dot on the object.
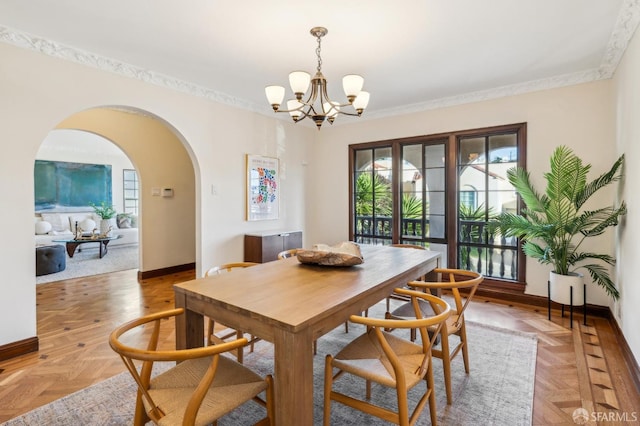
(155, 192)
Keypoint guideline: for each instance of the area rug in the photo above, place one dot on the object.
(499, 390)
(87, 262)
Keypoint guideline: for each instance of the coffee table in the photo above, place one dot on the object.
(72, 244)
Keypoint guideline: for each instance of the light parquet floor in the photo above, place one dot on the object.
(576, 368)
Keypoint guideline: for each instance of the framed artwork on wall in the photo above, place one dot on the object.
(263, 188)
(63, 185)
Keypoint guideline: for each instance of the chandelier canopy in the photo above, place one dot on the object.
(318, 105)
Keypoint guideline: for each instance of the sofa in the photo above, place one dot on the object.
(51, 226)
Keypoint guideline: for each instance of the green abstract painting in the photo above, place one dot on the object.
(62, 184)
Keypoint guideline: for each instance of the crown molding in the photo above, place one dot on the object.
(82, 57)
(625, 27)
(623, 30)
(493, 93)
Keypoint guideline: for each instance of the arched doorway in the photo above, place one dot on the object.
(167, 196)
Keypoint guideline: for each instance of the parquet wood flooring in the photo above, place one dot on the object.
(576, 368)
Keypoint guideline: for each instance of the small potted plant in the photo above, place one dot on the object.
(553, 225)
(105, 212)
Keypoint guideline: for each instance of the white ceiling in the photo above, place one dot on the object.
(413, 54)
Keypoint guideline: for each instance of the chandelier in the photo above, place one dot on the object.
(318, 105)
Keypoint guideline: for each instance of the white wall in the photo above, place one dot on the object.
(76, 146)
(627, 107)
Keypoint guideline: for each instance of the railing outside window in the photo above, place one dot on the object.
(483, 251)
(480, 250)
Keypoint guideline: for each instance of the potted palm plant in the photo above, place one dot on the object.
(554, 224)
(105, 212)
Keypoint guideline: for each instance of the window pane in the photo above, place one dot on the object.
(434, 179)
(472, 151)
(434, 155)
(435, 200)
(498, 176)
(372, 195)
(500, 201)
(503, 148)
(130, 191)
(472, 177)
(436, 226)
(412, 154)
(412, 208)
(363, 159)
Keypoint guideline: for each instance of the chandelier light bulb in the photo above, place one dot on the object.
(331, 109)
(299, 82)
(352, 85)
(295, 108)
(275, 95)
(361, 101)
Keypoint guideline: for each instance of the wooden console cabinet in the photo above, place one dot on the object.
(264, 246)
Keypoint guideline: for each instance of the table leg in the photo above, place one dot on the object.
(293, 381)
(103, 248)
(189, 326)
(71, 248)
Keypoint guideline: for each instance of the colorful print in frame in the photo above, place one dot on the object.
(263, 187)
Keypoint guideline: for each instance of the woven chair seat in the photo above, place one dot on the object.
(232, 386)
(364, 357)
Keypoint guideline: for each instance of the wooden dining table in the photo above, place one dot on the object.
(291, 305)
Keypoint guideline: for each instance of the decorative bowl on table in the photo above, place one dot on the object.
(343, 254)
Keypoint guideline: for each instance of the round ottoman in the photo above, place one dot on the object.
(50, 259)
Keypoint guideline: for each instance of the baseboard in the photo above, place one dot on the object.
(165, 271)
(21, 347)
(542, 301)
(627, 354)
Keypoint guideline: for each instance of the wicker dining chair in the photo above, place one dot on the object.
(203, 386)
(216, 338)
(392, 361)
(394, 295)
(455, 281)
(285, 254)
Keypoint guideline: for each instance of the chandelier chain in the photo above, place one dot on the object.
(318, 53)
